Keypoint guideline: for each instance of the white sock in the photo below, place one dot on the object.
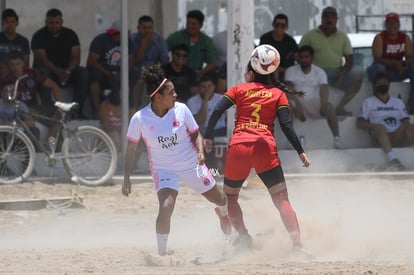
(223, 210)
(162, 240)
(391, 155)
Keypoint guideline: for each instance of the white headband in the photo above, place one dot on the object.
(158, 88)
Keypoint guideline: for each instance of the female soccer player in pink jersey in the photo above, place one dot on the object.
(175, 148)
(253, 145)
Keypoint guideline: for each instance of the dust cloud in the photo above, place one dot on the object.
(350, 224)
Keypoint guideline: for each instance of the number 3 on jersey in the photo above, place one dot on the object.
(255, 112)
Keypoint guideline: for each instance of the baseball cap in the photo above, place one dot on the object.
(329, 9)
(392, 16)
(115, 28)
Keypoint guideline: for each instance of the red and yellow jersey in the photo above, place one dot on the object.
(256, 106)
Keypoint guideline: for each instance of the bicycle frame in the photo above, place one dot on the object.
(88, 154)
(18, 123)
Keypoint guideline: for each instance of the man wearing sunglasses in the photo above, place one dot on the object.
(283, 42)
(181, 75)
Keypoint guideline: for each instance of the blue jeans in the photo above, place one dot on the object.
(332, 75)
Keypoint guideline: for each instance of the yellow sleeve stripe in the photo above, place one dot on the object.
(229, 98)
(282, 106)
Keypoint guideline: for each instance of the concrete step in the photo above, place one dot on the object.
(344, 161)
(318, 135)
(323, 161)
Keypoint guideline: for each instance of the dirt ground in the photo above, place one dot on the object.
(352, 225)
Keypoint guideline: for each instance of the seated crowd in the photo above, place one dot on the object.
(196, 64)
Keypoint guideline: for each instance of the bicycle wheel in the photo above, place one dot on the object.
(17, 156)
(89, 155)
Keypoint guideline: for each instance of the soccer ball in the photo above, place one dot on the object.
(265, 59)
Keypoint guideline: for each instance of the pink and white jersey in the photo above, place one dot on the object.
(389, 113)
(167, 138)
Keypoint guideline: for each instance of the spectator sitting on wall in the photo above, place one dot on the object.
(56, 51)
(181, 75)
(393, 54)
(331, 46)
(283, 42)
(36, 86)
(148, 48)
(7, 109)
(387, 120)
(200, 45)
(312, 80)
(10, 41)
(104, 63)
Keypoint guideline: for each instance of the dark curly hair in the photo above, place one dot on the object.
(152, 76)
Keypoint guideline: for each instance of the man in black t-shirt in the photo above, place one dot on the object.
(104, 62)
(56, 51)
(283, 42)
(182, 76)
(10, 41)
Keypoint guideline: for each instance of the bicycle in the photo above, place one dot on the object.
(88, 153)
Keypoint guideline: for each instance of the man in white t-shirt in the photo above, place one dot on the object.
(202, 105)
(387, 120)
(312, 80)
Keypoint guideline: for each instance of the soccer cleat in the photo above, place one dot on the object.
(301, 250)
(243, 242)
(395, 165)
(225, 222)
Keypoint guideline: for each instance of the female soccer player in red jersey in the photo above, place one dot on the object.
(258, 102)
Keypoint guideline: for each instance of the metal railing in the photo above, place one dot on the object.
(375, 23)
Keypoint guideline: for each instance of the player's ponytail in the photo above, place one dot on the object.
(269, 79)
(286, 89)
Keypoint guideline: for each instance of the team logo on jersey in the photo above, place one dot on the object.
(390, 121)
(169, 141)
(176, 123)
(206, 181)
(113, 56)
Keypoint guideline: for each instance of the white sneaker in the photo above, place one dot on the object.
(338, 143)
(300, 250)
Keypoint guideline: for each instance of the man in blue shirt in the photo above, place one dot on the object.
(148, 48)
(10, 40)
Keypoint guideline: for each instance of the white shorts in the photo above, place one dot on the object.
(172, 179)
